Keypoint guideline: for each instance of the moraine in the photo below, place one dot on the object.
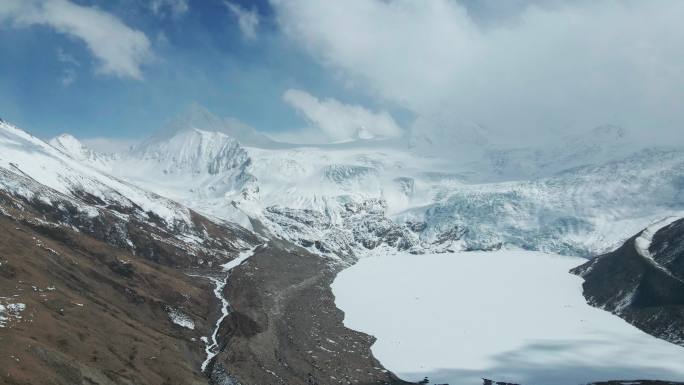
(211, 342)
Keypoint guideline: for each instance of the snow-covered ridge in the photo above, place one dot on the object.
(642, 243)
(42, 186)
(24, 154)
(72, 147)
(587, 195)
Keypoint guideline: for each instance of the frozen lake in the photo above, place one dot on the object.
(513, 316)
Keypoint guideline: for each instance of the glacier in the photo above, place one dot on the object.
(581, 197)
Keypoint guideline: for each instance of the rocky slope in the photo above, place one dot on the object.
(105, 283)
(92, 313)
(643, 280)
(95, 274)
(286, 329)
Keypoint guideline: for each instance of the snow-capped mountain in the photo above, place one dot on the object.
(75, 194)
(193, 152)
(580, 197)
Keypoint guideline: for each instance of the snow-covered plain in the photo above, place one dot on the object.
(509, 315)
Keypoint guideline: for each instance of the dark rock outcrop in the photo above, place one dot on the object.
(646, 292)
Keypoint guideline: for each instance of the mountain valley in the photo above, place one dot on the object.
(136, 245)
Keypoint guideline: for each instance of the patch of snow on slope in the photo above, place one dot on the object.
(508, 315)
(10, 311)
(643, 242)
(181, 319)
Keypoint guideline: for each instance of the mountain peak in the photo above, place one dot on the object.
(71, 146)
(194, 116)
(65, 141)
(197, 117)
(195, 150)
(75, 149)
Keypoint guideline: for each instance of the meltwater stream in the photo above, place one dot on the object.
(211, 342)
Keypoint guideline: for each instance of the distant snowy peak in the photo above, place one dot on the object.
(195, 151)
(72, 147)
(195, 116)
(68, 144)
(198, 117)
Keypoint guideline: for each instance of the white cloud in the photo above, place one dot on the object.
(68, 77)
(342, 122)
(66, 58)
(248, 20)
(70, 64)
(119, 49)
(547, 69)
(174, 8)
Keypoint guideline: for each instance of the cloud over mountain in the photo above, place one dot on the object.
(342, 122)
(540, 68)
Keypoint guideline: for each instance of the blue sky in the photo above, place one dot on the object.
(523, 70)
(51, 83)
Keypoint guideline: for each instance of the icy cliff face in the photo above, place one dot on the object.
(193, 152)
(331, 198)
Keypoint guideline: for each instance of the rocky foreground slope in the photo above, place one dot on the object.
(643, 280)
(104, 283)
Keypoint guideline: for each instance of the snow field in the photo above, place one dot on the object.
(509, 315)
